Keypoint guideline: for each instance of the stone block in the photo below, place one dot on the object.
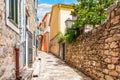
(113, 14)
(111, 66)
(106, 52)
(5, 50)
(113, 45)
(2, 42)
(106, 71)
(110, 39)
(100, 75)
(115, 20)
(118, 11)
(113, 73)
(117, 36)
(118, 68)
(114, 53)
(2, 70)
(107, 77)
(108, 25)
(107, 46)
(107, 60)
(112, 32)
(105, 33)
(115, 60)
(98, 64)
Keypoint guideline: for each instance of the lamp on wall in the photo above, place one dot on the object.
(69, 23)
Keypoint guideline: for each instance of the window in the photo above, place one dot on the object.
(12, 14)
(44, 24)
(13, 11)
(44, 38)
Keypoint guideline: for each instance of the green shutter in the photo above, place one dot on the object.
(13, 12)
(11, 9)
(44, 38)
(16, 11)
(44, 24)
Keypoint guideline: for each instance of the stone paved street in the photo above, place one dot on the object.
(52, 68)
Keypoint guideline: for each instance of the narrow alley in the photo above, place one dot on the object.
(52, 68)
(59, 39)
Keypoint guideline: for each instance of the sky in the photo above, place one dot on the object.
(45, 6)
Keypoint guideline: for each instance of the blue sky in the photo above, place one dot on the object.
(44, 6)
(57, 1)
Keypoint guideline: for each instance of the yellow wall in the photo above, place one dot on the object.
(54, 22)
(55, 27)
(55, 18)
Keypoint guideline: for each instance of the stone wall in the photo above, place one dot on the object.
(54, 46)
(8, 38)
(97, 53)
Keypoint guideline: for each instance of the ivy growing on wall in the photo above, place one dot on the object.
(71, 35)
(61, 37)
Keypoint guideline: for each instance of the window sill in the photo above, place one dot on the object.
(12, 25)
(13, 22)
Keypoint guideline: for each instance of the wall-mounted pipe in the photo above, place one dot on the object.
(17, 50)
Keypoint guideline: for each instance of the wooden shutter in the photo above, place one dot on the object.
(30, 51)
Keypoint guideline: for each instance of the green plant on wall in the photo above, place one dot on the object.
(61, 37)
(91, 12)
(71, 35)
(88, 12)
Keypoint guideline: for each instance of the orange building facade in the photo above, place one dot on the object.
(45, 33)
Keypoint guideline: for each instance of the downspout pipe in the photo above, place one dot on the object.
(17, 50)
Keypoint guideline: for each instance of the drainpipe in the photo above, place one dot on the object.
(17, 49)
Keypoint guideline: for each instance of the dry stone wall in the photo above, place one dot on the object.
(97, 53)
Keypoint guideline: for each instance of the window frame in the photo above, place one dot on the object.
(10, 22)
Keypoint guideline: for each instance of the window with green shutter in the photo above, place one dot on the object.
(44, 38)
(13, 11)
(44, 24)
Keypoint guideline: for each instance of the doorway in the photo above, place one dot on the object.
(63, 51)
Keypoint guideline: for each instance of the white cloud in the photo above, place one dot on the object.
(42, 10)
(44, 5)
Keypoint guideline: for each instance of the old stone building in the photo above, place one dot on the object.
(97, 53)
(12, 31)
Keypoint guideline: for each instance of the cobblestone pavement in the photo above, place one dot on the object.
(52, 68)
